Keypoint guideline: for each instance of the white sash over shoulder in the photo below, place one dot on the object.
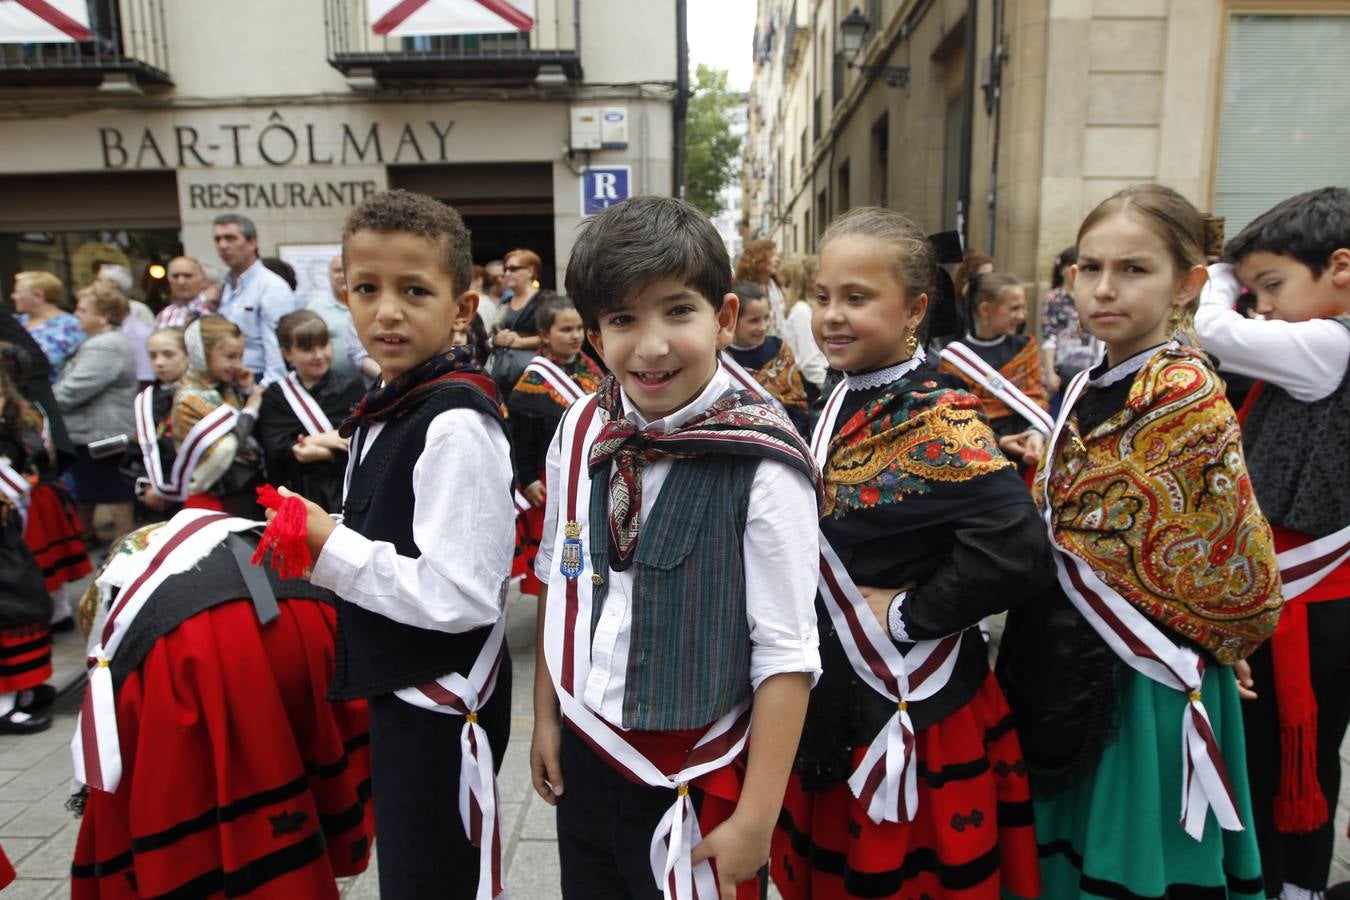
(303, 404)
(985, 375)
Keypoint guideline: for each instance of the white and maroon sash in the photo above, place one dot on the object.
(147, 435)
(985, 375)
(567, 642)
(556, 378)
(178, 546)
(15, 488)
(209, 429)
(886, 781)
(479, 801)
(745, 381)
(1303, 567)
(303, 404)
(1145, 648)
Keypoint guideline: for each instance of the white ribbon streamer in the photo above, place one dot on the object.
(1303, 567)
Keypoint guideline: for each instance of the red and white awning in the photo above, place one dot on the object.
(406, 18)
(44, 21)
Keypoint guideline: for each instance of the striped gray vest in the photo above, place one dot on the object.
(689, 651)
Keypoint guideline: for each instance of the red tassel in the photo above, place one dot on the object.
(1300, 805)
(286, 535)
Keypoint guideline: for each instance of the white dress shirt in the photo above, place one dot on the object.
(1307, 359)
(463, 523)
(256, 301)
(781, 551)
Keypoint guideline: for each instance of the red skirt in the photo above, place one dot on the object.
(25, 656)
(973, 837)
(239, 777)
(7, 873)
(529, 532)
(53, 536)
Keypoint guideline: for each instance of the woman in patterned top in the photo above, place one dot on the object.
(1067, 348)
(37, 299)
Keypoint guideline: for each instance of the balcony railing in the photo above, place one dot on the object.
(128, 37)
(552, 46)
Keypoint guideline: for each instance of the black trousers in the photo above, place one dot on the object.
(423, 851)
(605, 825)
(1300, 859)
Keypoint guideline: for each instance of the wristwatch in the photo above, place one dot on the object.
(895, 623)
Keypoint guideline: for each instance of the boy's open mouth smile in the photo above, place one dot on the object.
(654, 380)
(391, 339)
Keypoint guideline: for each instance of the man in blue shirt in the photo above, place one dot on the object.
(254, 298)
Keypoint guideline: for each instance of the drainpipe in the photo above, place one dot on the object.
(995, 100)
(681, 108)
(967, 126)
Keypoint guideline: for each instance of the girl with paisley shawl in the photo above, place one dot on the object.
(769, 359)
(534, 410)
(223, 476)
(918, 497)
(1168, 574)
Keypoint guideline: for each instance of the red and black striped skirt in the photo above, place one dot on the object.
(25, 656)
(972, 839)
(239, 776)
(53, 536)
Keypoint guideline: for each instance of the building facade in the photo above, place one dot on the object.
(1010, 119)
(168, 114)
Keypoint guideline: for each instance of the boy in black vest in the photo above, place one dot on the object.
(421, 559)
(680, 556)
(1295, 258)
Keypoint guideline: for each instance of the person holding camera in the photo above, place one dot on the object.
(95, 390)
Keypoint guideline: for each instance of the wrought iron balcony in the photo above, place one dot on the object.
(124, 44)
(360, 43)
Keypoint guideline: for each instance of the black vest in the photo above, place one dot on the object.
(1297, 458)
(375, 654)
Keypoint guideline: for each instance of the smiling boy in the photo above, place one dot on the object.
(1296, 425)
(421, 559)
(680, 550)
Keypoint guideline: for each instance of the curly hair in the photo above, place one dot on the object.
(390, 212)
(754, 262)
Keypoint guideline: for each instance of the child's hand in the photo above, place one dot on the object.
(1035, 447)
(879, 601)
(740, 850)
(244, 380)
(1243, 670)
(535, 494)
(329, 439)
(318, 523)
(307, 451)
(546, 759)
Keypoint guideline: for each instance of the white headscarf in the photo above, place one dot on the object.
(196, 349)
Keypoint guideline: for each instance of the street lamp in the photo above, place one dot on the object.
(852, 30)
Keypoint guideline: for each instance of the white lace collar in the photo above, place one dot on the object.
(1126, 369)
(867, 381)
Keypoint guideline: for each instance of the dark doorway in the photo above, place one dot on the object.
(507, 206)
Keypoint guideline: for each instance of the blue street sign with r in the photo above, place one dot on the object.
(604, 187)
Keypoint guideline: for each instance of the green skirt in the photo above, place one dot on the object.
(1117, 832)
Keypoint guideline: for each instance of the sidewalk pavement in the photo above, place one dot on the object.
(38, 834)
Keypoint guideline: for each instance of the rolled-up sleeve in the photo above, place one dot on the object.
(463, 525)
(782, 552)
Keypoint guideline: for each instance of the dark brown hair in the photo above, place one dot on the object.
(302, 329)
(391, 212)
(622, 249)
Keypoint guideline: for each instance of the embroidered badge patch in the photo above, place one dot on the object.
(571, 551)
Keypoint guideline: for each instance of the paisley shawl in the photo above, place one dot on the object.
(533, 394)
(904, 446)
(1158, 501)
(780, 377)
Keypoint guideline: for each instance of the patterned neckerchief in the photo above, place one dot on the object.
(389, 401)
(736, 424)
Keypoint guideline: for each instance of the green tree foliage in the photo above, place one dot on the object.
(712, 152)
